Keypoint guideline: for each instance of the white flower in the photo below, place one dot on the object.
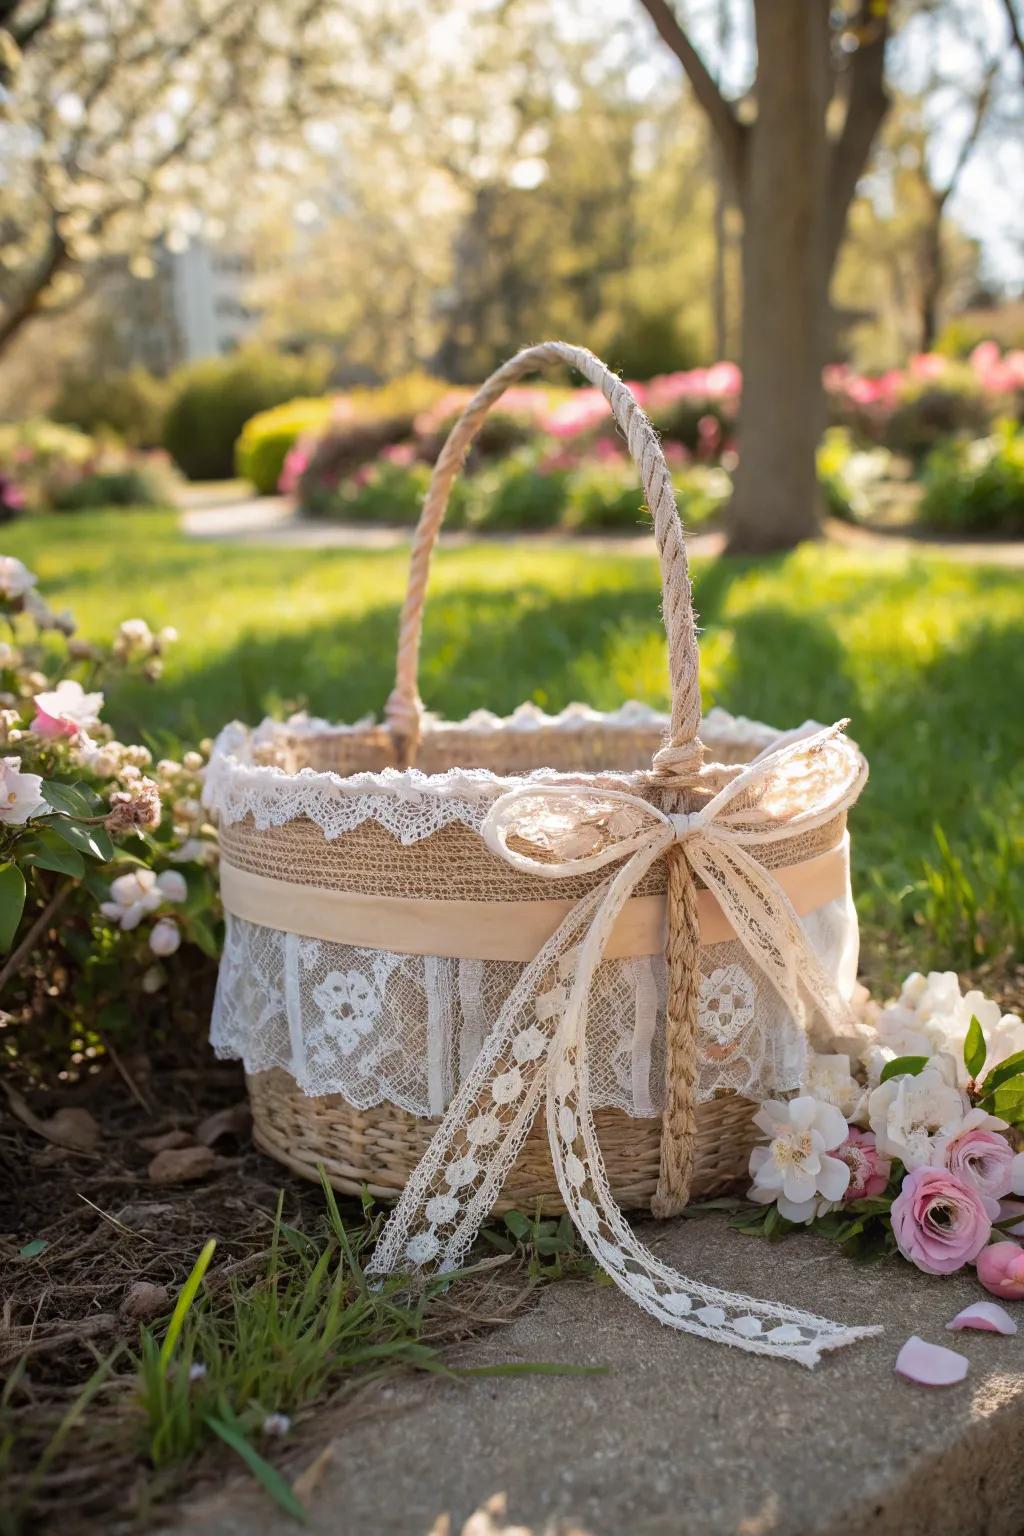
(136, 633)
(165, 938)
(194, 851)
(20, 793)
(68, 705)
(15, 579)
(131, 897)
(794, 1169)
(829, 1079)
(171, 885)
(907, 1113)
(276, 1424)
(930, 1017)
(102, 759)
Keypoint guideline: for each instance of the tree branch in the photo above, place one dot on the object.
(27, 304)
(728, 129)
(981, 106)
(867, 105)
(1016, 35)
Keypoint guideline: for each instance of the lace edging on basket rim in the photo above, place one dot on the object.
(236, 785)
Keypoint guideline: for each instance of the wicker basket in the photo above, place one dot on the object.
(306, 868)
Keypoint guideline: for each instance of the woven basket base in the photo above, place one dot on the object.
(377, 1149)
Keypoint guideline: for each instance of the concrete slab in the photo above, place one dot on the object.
(684, 1438)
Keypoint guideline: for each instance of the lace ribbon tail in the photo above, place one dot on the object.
(454, 1186)
(686, 1305)
(766, 924)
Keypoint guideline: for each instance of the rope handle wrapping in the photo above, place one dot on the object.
(677, 763)
(404, 710)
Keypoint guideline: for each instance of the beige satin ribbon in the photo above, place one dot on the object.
(495, 930)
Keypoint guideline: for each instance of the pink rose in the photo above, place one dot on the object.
(939, 1223)
(981, 1158)
(1001, 1270)
(869, 1169)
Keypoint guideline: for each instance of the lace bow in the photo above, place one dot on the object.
(538, 1044)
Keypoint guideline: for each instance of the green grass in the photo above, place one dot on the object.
(299, 1325)
(926, 656)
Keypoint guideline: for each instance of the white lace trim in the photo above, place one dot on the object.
(380, 1027)
(241, 781)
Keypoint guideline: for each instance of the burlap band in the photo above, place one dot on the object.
(493, 930)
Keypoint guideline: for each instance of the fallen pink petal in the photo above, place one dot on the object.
(986, 1316)
(931, 1365)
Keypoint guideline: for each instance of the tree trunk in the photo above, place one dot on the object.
(785, 281)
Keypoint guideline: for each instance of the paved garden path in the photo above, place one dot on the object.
(678, 1437)
(229, 512)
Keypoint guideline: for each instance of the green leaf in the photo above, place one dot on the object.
(70, 799)
(201, 933)
(267, 1476)
(1008, 1103)
(903, 1066)
(12, 903)
(33, 1249)
(95, 841)
(1011, 1067)
(50, 851)
(871, 1205)
(517, 1223)
(974, 1048)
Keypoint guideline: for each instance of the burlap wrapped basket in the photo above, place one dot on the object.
(412, 905)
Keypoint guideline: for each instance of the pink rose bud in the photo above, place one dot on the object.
(1001, 1270)
(939, 1223)
(983, 1159)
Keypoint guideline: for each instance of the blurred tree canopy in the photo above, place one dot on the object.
(435, 184)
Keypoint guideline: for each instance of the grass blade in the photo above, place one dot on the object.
(186, 1297)
(267, 1476)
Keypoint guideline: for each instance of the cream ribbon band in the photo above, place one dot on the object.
(495, 930)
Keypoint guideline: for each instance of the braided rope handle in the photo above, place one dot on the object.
(676, 763)
(404, 711)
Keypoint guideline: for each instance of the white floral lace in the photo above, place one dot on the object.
(244, 777)
(380, 1027)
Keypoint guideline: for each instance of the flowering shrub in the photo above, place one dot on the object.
(105, 856)
(910, 410)
(45, 467)
(915, 1148)
(268, 437)
(558, 439)
(533, 487)
(340, 432)
(848, 475)
(978, 486)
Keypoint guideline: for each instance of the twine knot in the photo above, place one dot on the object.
(679, 759)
